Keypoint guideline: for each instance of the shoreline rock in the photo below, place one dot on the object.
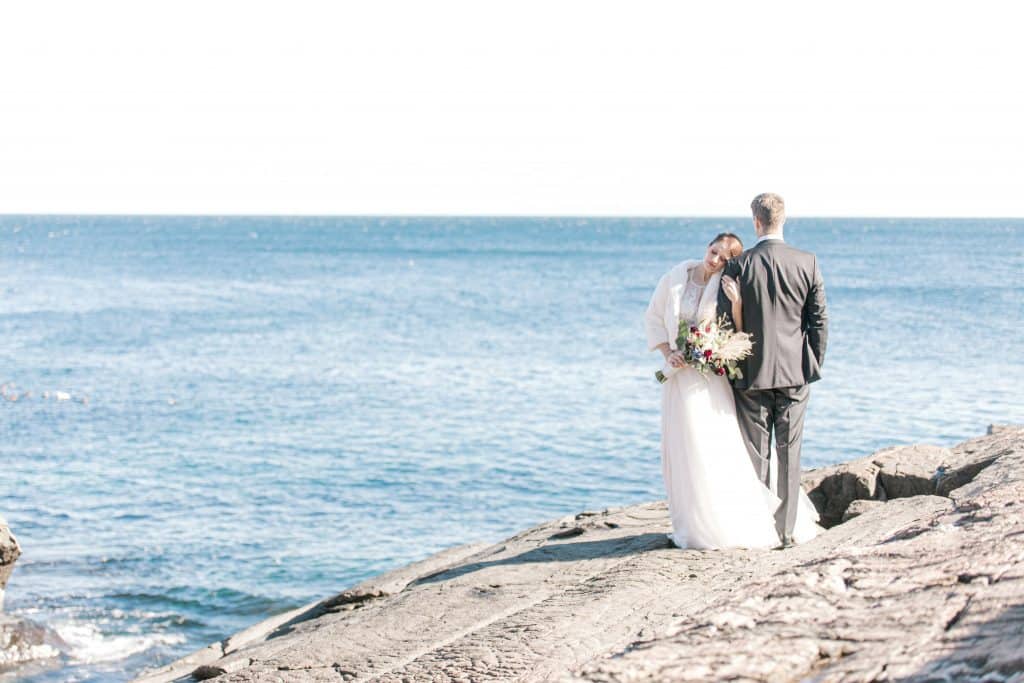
(920, 577)
(897, 472)
(10, 551)
(22, 641)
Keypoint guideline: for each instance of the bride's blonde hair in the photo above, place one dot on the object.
(733, 243)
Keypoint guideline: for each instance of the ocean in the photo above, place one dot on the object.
(207, 420)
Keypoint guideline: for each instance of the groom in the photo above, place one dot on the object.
(784, 311)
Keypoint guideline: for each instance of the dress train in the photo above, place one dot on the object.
(715, 498)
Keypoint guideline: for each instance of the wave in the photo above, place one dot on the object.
(87, 644)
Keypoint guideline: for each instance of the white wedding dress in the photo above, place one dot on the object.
(715, 498)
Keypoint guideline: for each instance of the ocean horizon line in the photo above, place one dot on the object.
(510, 216)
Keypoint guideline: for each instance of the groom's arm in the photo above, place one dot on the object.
(732, 269)
(816, 316)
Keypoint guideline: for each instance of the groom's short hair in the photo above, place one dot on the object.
(769, 210)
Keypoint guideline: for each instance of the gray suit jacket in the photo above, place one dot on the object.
(784, 311)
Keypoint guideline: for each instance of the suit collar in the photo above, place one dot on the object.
(768, 244)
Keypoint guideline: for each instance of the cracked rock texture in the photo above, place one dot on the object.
(920, 577)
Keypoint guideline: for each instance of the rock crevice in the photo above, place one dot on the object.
(844, 491)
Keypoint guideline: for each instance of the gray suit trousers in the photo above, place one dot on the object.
(760, 412)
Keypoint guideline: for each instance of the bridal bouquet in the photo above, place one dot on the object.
(710, 346)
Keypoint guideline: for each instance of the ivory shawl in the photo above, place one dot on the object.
(662, 318)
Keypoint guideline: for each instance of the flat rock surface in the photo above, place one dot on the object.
(924, 587)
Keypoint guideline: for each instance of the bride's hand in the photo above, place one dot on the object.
(675, 359)
(731, 289)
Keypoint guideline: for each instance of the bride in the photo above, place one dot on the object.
(715, 498)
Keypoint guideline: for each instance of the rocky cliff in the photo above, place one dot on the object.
(920, 576)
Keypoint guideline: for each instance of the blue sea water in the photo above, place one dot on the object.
(222, 418)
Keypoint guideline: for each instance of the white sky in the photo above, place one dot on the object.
(550, 107)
